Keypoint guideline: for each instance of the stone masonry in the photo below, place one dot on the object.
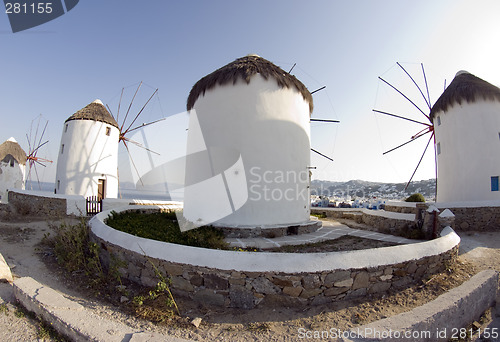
(25, 204)
(252, 289)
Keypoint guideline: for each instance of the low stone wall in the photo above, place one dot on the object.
(376, 220)
(32, 205)
(469, 216)
(387, 222)
(250, 279)
(477, 219)
(401, 207)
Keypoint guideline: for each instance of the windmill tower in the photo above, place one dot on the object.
(88, 154)
(253, 120)
(467, 127)
(12, 167)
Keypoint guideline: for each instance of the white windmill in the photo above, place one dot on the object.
(253, 120)
(88, 154)
(12, 167)
(467, 127)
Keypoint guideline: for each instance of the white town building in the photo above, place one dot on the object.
(248, 147)
(12, 167)
(87, 163)
(467, 129)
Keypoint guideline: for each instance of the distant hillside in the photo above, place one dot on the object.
(364, 189)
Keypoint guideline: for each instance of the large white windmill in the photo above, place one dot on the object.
(251, 119)
(464, 125)
(467, 127)
(88, 154)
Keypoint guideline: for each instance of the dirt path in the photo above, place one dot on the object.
(18, 242)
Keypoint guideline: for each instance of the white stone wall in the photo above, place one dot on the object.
(87, 156)
(469, 140)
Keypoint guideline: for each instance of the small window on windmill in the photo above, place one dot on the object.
(108, 131)
(66, 128)
(439, 120)
(58, 184)
(438, 148)
(12, 162)
(494, 183)
(62, 148)
(498, 135)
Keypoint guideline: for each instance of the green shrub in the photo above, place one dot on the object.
(76, 253)
(416, 198)
(163, 226)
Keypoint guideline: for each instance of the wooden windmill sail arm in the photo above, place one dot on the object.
(321, 154)
(119, 103)
(41, 136)
(133, 164)
(133, 121)
(33, 152)
(406, 97)
(420, 161)
(145, 124)
(130, 106)
(138, 144)
(415, 137)
(324, 120)
(315, 91)
(416, 85)
(426, 86)
(423, 132)
(40, 161)
(400, 117)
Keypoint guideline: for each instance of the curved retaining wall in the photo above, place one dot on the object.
(248, 279)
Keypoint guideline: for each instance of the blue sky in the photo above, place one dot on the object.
(101, 46)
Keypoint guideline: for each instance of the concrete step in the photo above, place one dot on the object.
(72, 320)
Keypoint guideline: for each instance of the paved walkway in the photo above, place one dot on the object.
(331, 230)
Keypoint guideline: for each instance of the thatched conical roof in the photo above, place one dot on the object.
(12, 147)
(244, 68)
(465, 87)
(94, 111)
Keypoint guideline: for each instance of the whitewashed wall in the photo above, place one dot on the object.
(11, 177)
(89, 155)
(268, 128)
(470, 143)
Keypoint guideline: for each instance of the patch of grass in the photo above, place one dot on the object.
(79, 257)
(77, 254)
(320, 215)
(262, 327)
(417, 197)
(163, 226)
(20, 313)
(4, 309)
(47, 332)
(157, 304)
